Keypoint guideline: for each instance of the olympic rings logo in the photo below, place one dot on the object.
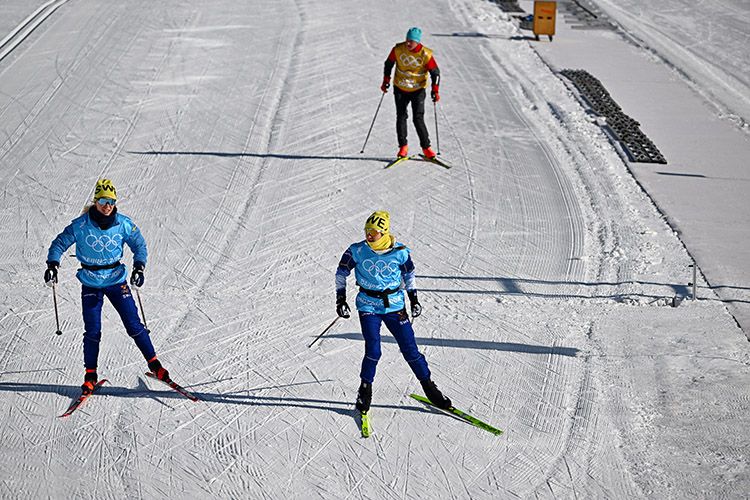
(410, 60)
(104, 242)
(380, 268)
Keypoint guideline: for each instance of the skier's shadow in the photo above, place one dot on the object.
(473, 344)
(344, 408)
(280, 156)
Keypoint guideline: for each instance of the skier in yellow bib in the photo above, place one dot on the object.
(412, 61)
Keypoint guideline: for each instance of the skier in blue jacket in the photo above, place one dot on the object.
(99, 235)
(383, 268)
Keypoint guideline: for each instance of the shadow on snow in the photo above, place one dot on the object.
(142, 391)
(472, 344)
(280, 156)
(513, 286)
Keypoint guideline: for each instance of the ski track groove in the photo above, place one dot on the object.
(224, 248)
(77, 61)
(468, 174)
(573, 216)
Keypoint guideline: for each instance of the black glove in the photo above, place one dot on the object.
(50, 275)
(416, 307)
(342, 308)
(136, 277)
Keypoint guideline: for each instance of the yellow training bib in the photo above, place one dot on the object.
(411, 67)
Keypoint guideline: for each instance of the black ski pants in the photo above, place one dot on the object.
(416, 99)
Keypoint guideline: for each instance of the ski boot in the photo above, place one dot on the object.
(161, 373)
(89, 381)
(364, 397)
(434, 394)
(403, 151)
(428, 153)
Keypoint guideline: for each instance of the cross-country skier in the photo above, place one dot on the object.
(99, 235)
(383, 268)
(413, 61)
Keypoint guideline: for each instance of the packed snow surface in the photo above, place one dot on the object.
(233, 135)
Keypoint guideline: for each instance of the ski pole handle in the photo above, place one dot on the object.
(324, 331)
(57, 317)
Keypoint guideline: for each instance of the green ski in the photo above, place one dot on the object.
(463, 415)
(364, 424)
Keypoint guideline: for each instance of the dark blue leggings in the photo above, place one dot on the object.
(400, 327)
(122, 299)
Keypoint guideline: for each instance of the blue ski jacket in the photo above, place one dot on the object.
(97, 248)
(387, 273)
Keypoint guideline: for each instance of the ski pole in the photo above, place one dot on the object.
(324, 331)
(437, 134)
(373, 123)
(57, 318)
(140, 304)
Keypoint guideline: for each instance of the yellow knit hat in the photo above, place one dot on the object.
(379, 221)
(105, 189)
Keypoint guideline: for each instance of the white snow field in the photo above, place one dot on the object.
(232, 133)
(690, 108)
(707, 40)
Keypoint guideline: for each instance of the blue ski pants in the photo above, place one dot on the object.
(400, 327)
(121, 298)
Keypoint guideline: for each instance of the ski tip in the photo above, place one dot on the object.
(461, 415)
(175, 386)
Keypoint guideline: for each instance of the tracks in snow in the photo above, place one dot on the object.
(27, 26)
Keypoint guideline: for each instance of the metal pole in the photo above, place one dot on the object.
(140, 304)
(373, 123)
(437, 134)
(57, 318)
(324, 331)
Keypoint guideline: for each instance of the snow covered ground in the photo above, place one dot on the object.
(233, 136)
(707, 40)
(704, 189)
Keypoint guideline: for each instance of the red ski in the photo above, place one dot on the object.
(174, 385)
(83, 397)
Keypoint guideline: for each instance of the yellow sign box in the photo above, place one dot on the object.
(544, 18)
